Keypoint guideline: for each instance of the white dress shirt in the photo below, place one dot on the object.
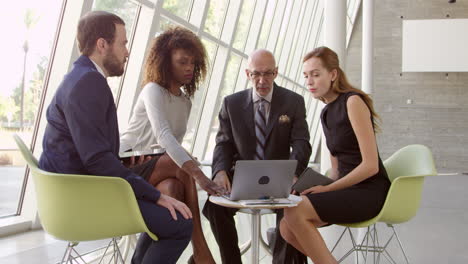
(256, 100)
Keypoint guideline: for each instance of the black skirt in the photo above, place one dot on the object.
(145, 169)
(357, 203)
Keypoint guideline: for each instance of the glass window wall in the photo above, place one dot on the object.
(30, 27)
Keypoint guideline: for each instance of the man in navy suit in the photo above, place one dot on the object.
(82, 135)
(285, 136)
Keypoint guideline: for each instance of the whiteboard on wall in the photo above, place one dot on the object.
(436, 45)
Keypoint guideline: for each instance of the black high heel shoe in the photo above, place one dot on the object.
(191, 260)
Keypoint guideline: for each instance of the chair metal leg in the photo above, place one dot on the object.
(353, 249)
(370, 243)
(246, 246)
(127, 243)
(339, 239)
(355, 245)
(68, 255)
(116, 255)
(375, 243)
(117, 249)
(368, 248)
(382, 250)
(399, 243)
(104, 254)
(367, 244)
(385, 252)
(361, 247)
(71, 256)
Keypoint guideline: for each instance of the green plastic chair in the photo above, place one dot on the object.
(77, 208)
(406, 170)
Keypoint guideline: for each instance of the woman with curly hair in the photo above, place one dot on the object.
(176, 64)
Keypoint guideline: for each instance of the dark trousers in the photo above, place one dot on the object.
(173, 236)
(224, 230)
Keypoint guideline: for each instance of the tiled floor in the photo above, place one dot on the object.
(437, 234)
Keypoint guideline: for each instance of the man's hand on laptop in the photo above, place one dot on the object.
(222, 180)
(172, 205)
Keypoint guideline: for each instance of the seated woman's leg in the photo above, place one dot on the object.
(289, 236)
(165, 169)
(172, 187)
(299, 228)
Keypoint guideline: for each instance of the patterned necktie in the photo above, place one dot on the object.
(260, 128)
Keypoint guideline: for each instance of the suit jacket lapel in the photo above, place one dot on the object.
(248, 115)
(275, 107)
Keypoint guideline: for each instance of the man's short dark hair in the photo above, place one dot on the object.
(95, 25)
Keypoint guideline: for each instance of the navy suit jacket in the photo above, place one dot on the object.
(287, 131)
(82, 134)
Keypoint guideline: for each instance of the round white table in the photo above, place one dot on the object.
(256, 216)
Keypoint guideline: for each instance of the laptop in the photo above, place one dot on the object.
(262, 179)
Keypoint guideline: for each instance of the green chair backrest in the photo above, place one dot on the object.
(406, 170)
(27, 155)
(84, 207)
(411, 160)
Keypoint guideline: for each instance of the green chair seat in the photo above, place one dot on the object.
(406, 170)
(77, 208)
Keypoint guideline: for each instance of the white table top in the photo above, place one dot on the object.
(238, 204)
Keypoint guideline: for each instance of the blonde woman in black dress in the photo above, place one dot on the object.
(361, 182)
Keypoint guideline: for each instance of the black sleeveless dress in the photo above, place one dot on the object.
(361, 201)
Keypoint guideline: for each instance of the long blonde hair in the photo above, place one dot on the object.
(341, 84)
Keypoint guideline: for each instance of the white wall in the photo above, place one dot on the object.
(435, 45)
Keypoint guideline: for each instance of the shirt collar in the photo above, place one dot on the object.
(98, 68)
(256, 97)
